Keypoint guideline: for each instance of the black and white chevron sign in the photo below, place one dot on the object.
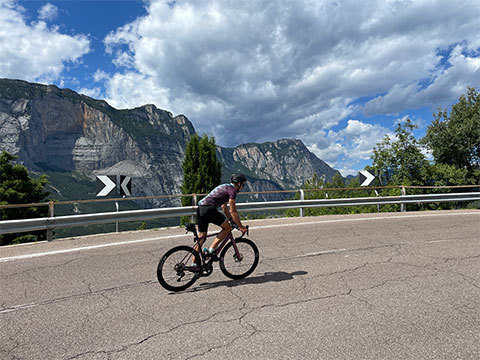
(114, 185)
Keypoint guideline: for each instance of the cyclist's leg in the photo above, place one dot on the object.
(201, 239)
(226, 228)
(202, 220)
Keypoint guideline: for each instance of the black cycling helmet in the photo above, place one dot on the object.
(238, 178)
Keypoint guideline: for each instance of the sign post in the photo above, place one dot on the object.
(114, 185)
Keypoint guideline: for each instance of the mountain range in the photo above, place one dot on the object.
(74, 138)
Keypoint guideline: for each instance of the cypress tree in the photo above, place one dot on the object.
(201, 169)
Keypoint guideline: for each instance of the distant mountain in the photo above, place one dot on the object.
(72, 136)
(350, 178)
(282, 164)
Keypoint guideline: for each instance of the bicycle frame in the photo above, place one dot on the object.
(182, 265)
(219, 248)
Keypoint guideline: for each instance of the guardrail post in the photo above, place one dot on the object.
(403, 207)
(51, 213)
(194, 203)
(117, 207)
(302, 197)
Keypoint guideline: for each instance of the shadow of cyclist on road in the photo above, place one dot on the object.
(259, 279)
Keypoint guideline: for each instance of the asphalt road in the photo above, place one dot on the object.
(380, 286)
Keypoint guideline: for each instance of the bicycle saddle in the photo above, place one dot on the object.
(190, 227)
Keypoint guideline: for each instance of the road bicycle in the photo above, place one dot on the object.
(182, 265)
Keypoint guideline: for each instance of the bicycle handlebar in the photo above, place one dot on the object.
(235, 226)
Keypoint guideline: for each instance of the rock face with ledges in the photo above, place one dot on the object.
(287, 163)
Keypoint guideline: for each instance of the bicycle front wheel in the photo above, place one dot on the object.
(237, 266)
(175, 271)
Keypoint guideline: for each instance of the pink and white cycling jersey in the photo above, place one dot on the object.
(219, 196)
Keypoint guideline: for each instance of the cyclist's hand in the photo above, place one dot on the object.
(243, 229)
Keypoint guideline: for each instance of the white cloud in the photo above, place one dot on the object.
(100, 75)
(131, 89)
(257, 70)
(350, 146)
(48, 12)
(261, 70)
(448, 85)
(34, 51)
(95, 92)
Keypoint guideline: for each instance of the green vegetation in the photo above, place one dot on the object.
(315, 188)
(21, 90)
(399, 162)
(453, 141)
(201, 168)
(17, 187)
(454, 138)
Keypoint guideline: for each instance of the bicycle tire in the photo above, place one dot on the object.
(170, 269)
(239, 269)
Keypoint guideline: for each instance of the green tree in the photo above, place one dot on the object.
(400, 162)
(439, 174)
(17, 187)
(454, 138)
(201, 169)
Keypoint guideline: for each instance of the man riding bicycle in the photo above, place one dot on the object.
(207, 211)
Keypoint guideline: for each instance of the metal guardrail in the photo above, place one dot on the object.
(403, 188)
(51, 223)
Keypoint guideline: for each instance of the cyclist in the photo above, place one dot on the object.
(207, 211)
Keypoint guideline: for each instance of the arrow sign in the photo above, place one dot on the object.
(125, 185)
(105, 184)
(365, 178)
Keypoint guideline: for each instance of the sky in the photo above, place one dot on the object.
(338, 75)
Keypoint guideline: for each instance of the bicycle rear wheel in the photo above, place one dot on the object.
(237, 266)
(175, 271)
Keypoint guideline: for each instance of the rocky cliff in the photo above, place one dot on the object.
(58, 130)
(286, 163)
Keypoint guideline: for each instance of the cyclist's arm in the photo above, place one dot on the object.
(226, 212)
(234, 215)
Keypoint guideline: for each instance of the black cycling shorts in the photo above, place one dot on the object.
(209, 214)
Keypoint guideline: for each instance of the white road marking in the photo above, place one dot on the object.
(363, 219)
(129, 242)
(85, 248)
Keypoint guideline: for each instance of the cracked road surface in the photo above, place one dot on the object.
(370, 286)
